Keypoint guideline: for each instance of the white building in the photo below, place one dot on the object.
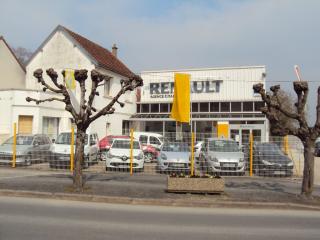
(218, 96)
(64, 49)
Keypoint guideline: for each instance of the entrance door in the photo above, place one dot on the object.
(25, 124)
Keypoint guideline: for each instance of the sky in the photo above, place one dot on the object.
(175, 34)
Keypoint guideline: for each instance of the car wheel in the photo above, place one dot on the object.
(148, 157)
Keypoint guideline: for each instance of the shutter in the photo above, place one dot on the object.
(25, 124)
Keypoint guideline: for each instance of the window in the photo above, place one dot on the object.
(204, 107)
(107, 84)
(195, 107)
(138, 108)
(247, 106)
(154, 140)
(235, 106)
(258, 106)
(143, 139)
(145, 108)
(154, 108)
(225, 107)
(164, 107)
(214, 107)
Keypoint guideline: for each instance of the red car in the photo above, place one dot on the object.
(105, 143)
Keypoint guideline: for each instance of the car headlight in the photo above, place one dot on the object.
(214, 159)
(109, 155)
(290, 164)
(241, 160)
(163, 156)
(140, 156)
(265, 162)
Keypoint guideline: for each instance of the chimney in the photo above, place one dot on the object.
(114, 50)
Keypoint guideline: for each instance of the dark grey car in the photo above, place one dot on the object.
(29, 149)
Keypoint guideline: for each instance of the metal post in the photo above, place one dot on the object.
(192, 154)
(286, 145)
(14, 146)
(72, 149)
(251, 153)
(131, 151)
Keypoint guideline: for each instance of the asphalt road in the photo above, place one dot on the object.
(23, 218)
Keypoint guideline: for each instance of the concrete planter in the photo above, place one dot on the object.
(195, 185)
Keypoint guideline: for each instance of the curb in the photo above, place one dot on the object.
(158, 202)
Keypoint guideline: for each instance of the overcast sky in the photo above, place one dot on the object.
(169, 34)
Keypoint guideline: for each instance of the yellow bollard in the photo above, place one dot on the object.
(192, 154)
(251, 154)
(72, 149)
(14, 146)
(131, 151)
(286, 145)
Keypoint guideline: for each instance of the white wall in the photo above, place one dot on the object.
(236, 83)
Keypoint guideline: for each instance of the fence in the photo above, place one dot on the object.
(185, 153)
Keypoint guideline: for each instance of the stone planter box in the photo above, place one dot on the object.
(195, 185)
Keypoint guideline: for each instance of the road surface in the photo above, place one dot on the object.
(26, 218)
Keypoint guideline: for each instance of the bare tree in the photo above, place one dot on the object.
(22, 54)
(302, 130)
(87, 113)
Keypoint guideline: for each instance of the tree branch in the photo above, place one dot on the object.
(29, 99)
(38, 75)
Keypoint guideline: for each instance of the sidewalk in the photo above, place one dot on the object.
(150, 189)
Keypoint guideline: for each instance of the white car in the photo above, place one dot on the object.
(62, 147)
(118, 156)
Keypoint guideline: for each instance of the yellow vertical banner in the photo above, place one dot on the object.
(131, 151)
(251, 153)
(192, 154)
(181, 98)
(14, 146)
(223, 129)
(72, 149)
(69, 79)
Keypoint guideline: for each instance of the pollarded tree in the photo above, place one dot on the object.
(87, 113)
(302, 130)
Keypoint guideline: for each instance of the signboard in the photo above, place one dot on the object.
(166, 89)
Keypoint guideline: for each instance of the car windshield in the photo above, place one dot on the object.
(125, 144)
(223, 146)
(175, 147)
(65, 138)
(269, 148)
(21, 140)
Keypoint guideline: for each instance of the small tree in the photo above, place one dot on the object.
(87, 113)
(275, 107)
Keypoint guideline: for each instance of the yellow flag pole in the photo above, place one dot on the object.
(131, 151)
(14, 146)
(72, 149)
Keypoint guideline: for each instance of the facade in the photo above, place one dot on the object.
(64, 49)
(12, 76)
(221, 99)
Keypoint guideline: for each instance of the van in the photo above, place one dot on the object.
(62, 147)
(151, 144)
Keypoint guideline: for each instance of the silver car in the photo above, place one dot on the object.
(222, 156)
(174, 157)
(29, 149)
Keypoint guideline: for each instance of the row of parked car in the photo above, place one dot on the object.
(213, 156)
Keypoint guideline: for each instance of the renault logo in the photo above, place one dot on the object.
(124, 158)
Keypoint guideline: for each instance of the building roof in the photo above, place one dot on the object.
(14, 55)
(100, 55)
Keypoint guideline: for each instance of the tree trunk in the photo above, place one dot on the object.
(308, 171)
(78, 182)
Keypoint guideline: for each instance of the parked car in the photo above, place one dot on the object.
(62, 147)
(29, 149)
(105, 144)
(197, 149)
(151, 144)
(118, 156)
(222, 156)
(174, 157)
(268, 159)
